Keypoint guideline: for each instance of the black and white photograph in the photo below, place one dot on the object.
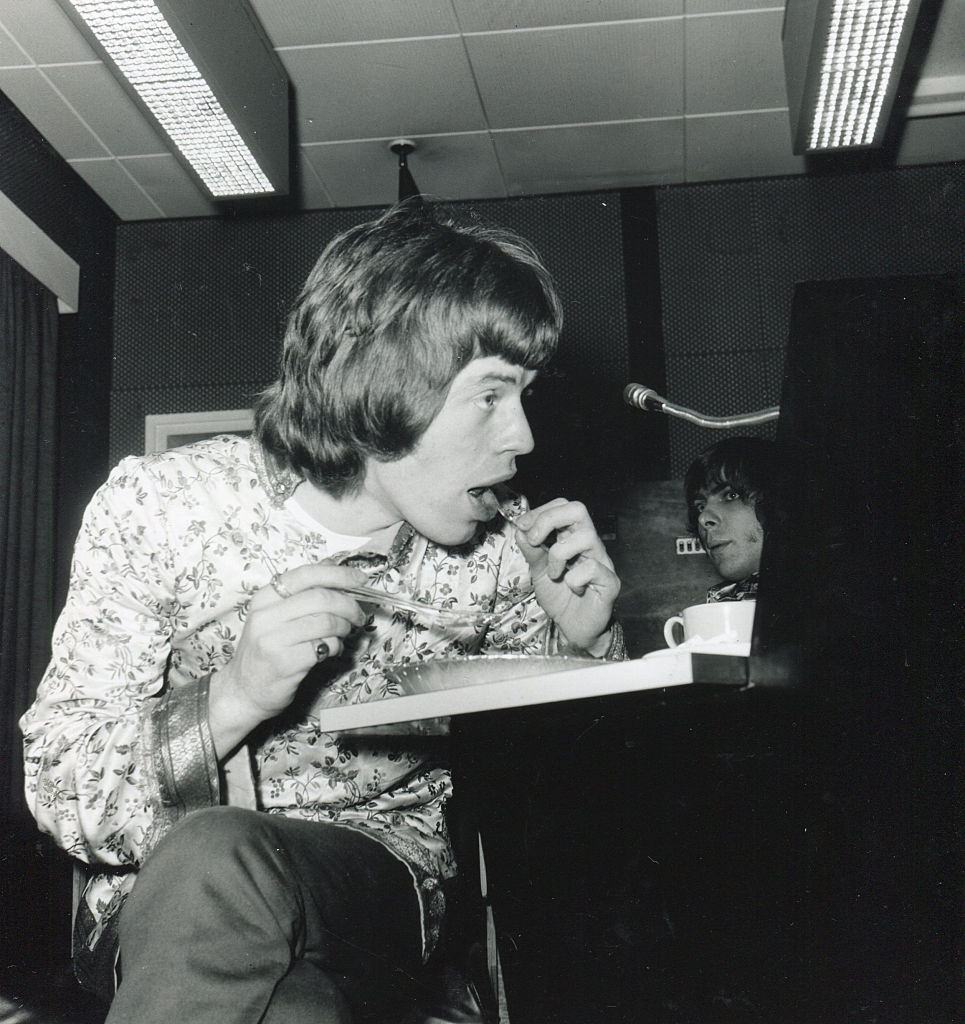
(481, 498)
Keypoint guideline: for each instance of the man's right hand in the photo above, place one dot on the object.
(278, 646)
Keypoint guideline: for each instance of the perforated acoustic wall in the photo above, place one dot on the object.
(730, 254)
(200, 309)
(200, 304)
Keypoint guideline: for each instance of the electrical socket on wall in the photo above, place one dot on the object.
(689, 546)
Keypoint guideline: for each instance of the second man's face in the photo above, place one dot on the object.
(730, 532)
(443, 487)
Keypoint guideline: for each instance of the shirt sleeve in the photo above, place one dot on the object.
(112, 756)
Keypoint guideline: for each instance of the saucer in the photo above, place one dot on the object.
(733, 650)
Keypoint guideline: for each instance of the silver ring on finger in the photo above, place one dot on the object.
(322, 650)
(279, 588)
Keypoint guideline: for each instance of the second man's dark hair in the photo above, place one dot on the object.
(745, 464)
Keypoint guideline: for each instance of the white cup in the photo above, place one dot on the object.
(719, 621)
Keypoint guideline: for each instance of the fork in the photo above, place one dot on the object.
(444, 616)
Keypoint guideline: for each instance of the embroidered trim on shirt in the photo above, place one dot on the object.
(182, 750)
(278, 482)
(429, 892)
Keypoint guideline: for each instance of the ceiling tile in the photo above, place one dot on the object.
(740, 146)
(568, 76)
(443, 166)
(297, 22)
(932, 140)
(581, 94)
(355, 173)
(735, 62)
(312, 192)
(44, 31)
(39, 102)
(375, 90)
(11, 55)
(170, 186)
(717, 6)
(108, 180)
(111, 114)
(486, 15)
(591, 157)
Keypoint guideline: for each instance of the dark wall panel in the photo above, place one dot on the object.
(730, 254)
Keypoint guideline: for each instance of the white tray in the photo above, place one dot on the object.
(589, 679)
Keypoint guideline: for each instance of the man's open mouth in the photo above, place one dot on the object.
(495, 498)
(485, 499)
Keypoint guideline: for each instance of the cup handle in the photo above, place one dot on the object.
(668, 629)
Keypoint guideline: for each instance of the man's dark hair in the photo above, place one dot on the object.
(390, 314)
(745, 464)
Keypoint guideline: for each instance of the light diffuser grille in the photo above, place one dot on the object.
(139, 40)
(858, 63)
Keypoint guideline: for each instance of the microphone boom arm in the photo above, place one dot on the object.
(640, 397)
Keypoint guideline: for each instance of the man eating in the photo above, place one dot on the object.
(248, 865)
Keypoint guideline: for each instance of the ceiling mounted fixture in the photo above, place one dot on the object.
(842, 61)
(207, 77)
(408, 189)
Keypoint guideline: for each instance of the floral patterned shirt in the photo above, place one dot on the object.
(172, 547)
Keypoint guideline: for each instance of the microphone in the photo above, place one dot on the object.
(639, 397)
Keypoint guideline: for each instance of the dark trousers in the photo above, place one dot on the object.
(240, 916)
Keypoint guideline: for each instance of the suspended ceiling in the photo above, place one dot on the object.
(503, 98)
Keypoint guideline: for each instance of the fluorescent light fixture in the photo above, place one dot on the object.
(39, 255)
(843, 59)
(208, 78)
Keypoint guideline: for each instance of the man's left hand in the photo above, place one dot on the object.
(572, 573)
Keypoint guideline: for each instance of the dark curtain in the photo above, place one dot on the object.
(28, 360)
